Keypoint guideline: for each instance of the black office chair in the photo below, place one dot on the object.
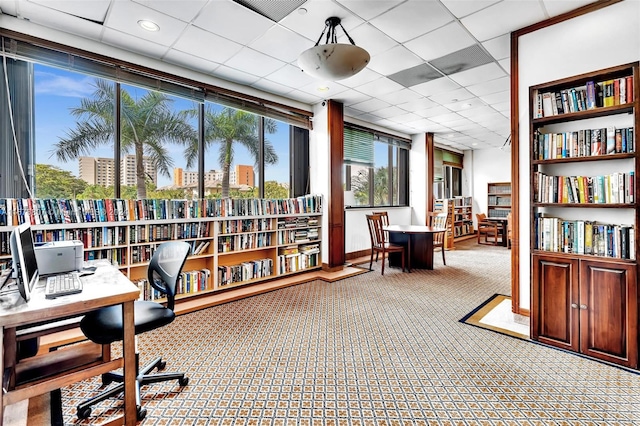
(104, 326)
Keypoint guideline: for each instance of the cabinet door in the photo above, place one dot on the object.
(608, 312)
(554, 302)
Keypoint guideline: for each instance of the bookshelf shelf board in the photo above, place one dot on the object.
(563, 255)
(587, 205)
(618, 156)
(583, 115)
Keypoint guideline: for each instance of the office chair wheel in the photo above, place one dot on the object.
(141, 413)
(162, 365)
(84, 413)
(184, 381)
(106, 380)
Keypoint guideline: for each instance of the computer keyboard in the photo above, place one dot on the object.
(62, 285)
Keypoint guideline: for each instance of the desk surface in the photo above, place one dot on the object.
(107, 286)
(414, 229)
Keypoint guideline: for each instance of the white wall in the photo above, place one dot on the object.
(318, 168)
(356, 230)
(601, 39)
(418, 179)
(488, 165)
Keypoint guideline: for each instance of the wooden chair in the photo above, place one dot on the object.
(379, 243)
(385, 222)
(509, 227)
(439, 220)
(488, 229)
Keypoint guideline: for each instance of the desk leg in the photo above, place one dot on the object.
(429, 250)
(129, 354)
(409, 242)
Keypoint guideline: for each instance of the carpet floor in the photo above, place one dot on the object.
(372, 350)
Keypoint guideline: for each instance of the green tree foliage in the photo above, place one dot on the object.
(273, 189)
(360, 187)
(53, 182)
(148, 124)
(228, 128)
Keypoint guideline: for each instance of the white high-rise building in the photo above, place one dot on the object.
(101, 171)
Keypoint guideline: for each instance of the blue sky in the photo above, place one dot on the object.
(57, 91)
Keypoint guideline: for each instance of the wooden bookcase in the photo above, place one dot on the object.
(462, 218)
(498, 199)
(584, 213)
(240, 248)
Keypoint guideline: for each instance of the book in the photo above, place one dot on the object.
(611, 140)
(547, 104)
(591, 95)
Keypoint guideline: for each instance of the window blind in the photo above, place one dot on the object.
(358, 147)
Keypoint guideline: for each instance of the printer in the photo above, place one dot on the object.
(57, 257)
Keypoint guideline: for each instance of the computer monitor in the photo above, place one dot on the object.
(23, 254)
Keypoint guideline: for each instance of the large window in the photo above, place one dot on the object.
(107, 129)
(375, 168)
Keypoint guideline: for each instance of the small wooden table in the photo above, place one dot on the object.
(419, 242)
(47, 372)
(502, 228)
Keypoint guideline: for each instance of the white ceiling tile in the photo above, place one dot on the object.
(370, 105)
(248, 60)
(304, 97)
(472, 113)
(237, 76)
(422, 123)
(436, 86)
(466, 104)
(433, 112)
(351, 112)
(185, 10)
(133, 44)
(271, 87)
(372, 118)
(502, 18)
(461, 8)
(503, 107)
(351, 96)
(393, 60)
(281, 43)
(95, 10)
(189, 61)
(417, 105)
(438, 128)
(445, 118)
(369, 9)
(412, 19)
(312, 23)
(38, 14)
(329, 89)
(222, 17)
(479, 74)
(380, 87)
(448, 39)
(400, 96)
(496, 98)
(499, 47)
(506, 65)
(124, 17)
(488, 87)
(198, 42)
(291, 76)
(371, 39)
(389, 112)
(364, 76)
(557, 7)
(452, 96)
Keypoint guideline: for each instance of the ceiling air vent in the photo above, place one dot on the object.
(465, 59)
(274, 10)
(415, 75)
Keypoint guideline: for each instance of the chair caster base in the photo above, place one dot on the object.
(184, 381)
(84, 413)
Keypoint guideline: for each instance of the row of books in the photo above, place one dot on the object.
(584, 237)
(14, 211)
(592, 95)
(245, 271)
(499, 200)
(117, 256)
(464, 229)
(244, 225)
(461, 201)
(189, 282)
(297, 236)
(615, 188)
(91, 237)
(298, 262)
(167, 231)
(229, 243)
(583, 143)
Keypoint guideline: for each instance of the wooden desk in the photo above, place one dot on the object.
(50, 371)
(419, 242)
(502, 228)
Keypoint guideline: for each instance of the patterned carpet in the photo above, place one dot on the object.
(372, 350)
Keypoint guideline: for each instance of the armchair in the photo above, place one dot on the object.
(487, 229)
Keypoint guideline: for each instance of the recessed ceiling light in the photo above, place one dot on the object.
(475, 144)
(302, 11)
(466, 106)
(148, 25)
(323, 89)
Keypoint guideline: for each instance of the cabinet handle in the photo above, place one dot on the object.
(583, 306)
(574, 305)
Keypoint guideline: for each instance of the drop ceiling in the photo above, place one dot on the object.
(438, 66)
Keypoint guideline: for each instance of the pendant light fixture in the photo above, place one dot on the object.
(333, 60)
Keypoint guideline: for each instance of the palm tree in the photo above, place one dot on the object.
(147, 125)
(227, 127)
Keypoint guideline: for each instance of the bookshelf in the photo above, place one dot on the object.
(498, 199)
(584, 213)
(234, 242)
(463, 218)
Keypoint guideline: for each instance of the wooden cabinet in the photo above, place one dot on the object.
(498, 199)
(249, 242)
(586, 306)
(584, 212)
